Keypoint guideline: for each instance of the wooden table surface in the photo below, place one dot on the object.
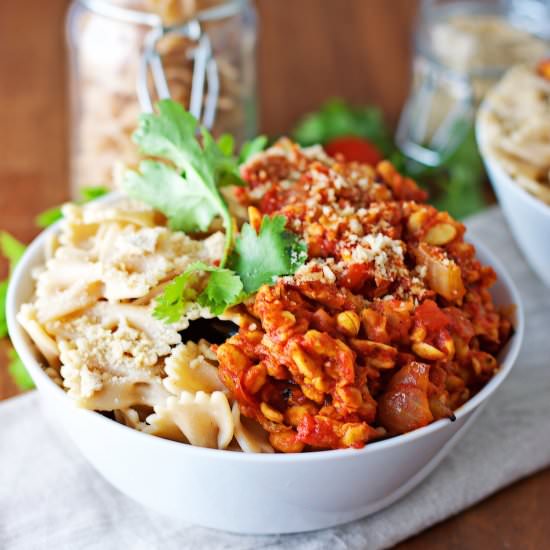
(309, 50)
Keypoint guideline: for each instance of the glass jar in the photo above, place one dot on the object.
(126, 54)
(461, 48)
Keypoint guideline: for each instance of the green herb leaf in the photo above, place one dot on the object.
(252, 147)
(226, 143)
(17, 371)
(225, 165)
(186, 204)
(259, 258)
(170, 305)
(223, 289)
(199, 171)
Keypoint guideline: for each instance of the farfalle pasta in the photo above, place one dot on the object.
(92, 320)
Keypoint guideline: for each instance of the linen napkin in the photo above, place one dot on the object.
(51, 498)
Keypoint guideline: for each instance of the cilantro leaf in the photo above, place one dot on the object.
(225, 165)
(171, 135)
(260, 257)
(17, 371)
(252, 147)
(170, 305)
(223, 289)
(199, 171)
(185, 204)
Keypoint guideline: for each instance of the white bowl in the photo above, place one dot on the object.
(527, 216)
(253, 493)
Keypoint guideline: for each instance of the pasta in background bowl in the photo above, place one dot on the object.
(512, 131)
(241, 492)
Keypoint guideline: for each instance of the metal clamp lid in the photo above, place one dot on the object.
(205, 72)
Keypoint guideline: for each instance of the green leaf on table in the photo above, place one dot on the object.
(48, 217)
(259, 258)
(11, 248)
(18, 372)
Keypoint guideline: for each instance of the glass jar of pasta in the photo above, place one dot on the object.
(461, 49)
(126, 54)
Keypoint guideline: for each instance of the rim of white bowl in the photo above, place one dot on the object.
(22, 344)
(496, 166)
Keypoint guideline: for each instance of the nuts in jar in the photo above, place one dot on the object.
(110, 45)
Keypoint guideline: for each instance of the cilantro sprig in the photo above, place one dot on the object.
(258, 259)
(224, 288)
(183, 180)
(187, 190)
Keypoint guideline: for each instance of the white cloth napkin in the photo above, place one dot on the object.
(51, 498)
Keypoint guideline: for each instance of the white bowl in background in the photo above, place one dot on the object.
(253, 493)
(527, 216)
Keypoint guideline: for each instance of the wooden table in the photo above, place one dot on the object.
(309, 50)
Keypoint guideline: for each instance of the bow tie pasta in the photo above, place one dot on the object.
(92, 320)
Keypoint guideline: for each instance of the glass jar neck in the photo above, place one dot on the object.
(137, 12)
(444, 15)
